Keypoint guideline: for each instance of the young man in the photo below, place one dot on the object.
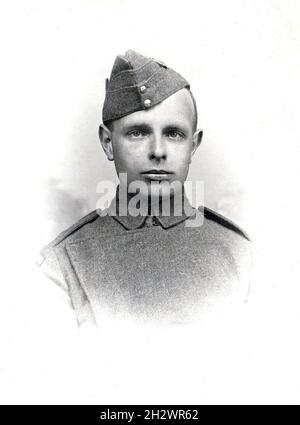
(150, 255)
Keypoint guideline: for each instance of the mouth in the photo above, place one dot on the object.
(157, 174)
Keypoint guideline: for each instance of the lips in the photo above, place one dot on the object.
(157, 174)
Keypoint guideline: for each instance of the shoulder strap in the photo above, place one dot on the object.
(214, 216)
(80, 223)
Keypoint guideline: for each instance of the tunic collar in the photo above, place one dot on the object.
(131, 222)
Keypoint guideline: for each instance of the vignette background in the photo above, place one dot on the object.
(242, 60)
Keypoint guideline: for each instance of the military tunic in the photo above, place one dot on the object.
(149, 268)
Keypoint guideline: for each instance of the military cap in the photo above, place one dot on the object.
(137, 83)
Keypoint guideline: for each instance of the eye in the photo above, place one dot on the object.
(136, 133)
(175, 134)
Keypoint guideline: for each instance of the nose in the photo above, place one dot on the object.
(157, 149)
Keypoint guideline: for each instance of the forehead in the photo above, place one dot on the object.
(178, 107)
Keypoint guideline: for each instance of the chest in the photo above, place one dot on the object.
(153, 272)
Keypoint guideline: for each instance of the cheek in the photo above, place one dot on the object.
(125, 160)
(182, 163)
(130, 153)
(182, 155)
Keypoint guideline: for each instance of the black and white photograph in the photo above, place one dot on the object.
(150, 203)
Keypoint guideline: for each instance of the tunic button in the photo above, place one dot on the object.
(155, 221)
(143, 89)
(147, 103)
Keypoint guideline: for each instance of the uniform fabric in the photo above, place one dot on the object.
(149, 268)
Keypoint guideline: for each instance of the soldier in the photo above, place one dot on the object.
(146, 264)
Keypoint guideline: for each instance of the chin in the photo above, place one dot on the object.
(162, 190)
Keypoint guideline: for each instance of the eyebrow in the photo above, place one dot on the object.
(142, 126)
(180, 127)
(147, 127)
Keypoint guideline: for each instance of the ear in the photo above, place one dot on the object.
(106, 142)
(197, 139)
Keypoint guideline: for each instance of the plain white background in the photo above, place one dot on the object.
(242, 60)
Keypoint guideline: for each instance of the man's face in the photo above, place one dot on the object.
(155, 146)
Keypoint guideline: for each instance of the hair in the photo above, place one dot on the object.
(109, 124)
(195, 123)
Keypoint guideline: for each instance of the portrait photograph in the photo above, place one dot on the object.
(150, 175)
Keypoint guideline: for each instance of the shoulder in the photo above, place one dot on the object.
(89, 218)
(232, 244)
(80, 229)
(48, 260)
(219, 220)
